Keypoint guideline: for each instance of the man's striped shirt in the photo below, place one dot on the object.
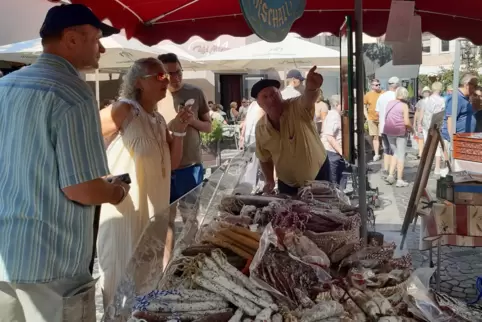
(51, 139)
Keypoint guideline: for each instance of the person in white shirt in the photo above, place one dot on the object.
(331, 139)
(435, 104)
(254, 113)
(243, 110)
(216, 115)
(293, 89)
(248, 138)
(393, 84)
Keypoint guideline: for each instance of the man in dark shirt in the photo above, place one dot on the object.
(190, 173)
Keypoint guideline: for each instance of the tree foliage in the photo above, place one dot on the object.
(378, 53)
(470, 61)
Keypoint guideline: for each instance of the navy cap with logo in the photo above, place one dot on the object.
(294, 73)
(262, 84)
(65, 16)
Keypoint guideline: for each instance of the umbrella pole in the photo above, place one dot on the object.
(455, 96)
(97, 87)
(360, 92)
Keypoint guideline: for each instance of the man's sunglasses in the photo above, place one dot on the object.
(376, 85)
(158, 76)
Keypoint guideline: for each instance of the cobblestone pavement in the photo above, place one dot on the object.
(460, 266)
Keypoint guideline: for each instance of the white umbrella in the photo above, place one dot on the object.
(120, 52)
(291, 52)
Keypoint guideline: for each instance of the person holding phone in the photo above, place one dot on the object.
(52, 174)
(190, 172)
(143, 147)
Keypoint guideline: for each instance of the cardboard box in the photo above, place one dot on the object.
(468, 194)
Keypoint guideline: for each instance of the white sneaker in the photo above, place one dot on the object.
(376, 158)
(390, 179)
(401, 184)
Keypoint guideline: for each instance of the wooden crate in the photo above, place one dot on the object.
(468, 146)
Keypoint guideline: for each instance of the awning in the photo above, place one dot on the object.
(151, 21)
(120, 53)
(290, 53)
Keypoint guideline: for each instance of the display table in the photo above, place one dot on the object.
(469, 166)
(448, 224)
(451, 225)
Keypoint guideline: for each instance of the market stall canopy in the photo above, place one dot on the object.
(151, 21)
(120, 52)
(291, 52)
(406, 71)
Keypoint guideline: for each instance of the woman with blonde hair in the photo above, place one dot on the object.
(234, 111)
(139, 144)
(396, 128)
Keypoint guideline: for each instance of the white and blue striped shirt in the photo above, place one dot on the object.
(51, 139)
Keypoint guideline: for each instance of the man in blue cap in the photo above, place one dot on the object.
(295, 84)
(53, 164)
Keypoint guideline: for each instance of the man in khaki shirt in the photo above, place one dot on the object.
(286, 137)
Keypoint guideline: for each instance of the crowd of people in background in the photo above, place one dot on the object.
(388, 119)
(60, 155)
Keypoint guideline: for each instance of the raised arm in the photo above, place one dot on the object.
(175, 140)
(203, 124)
(314, 81)
(113, 117)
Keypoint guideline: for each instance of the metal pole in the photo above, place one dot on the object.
(97, 87)
(455, 96)
(360, 92)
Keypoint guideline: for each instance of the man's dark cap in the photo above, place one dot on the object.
(59, 18)
(294, 73)
(262, 84)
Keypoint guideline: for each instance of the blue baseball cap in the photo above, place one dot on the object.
(294, 73)
(65, 16)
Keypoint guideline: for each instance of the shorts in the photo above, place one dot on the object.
(184, 180)
(438, 152)
(398, 144)
(57, 301)
(373, 128)
(386, 145)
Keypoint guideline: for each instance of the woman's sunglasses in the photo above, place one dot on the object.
(158, 76)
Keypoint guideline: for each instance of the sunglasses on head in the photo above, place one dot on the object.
(158, 76)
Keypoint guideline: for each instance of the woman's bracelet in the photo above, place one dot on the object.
(179, 134)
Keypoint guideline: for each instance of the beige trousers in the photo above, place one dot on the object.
(70, 300)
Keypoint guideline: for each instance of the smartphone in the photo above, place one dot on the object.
(126, 178)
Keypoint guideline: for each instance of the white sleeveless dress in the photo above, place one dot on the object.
(140, 149)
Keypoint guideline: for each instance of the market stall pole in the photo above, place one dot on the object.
(360, 86)
(455, 95)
